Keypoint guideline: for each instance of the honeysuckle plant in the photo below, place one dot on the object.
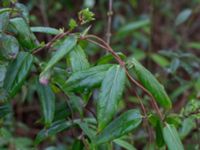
(65, 73)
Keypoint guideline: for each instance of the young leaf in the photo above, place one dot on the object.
(9, 46)
(88, 78)
(17, 72)
(24, 35)
(122, 125)
(61, 52)
(111, 91)
(151, 83)
(47, 30)
(78, 59)
(172, 138)
(47, 100)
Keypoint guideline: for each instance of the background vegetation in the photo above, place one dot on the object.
(57, 87)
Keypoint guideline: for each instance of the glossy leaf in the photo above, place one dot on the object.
(47, 100)
(88, 78)
(122, 125)
(9, 46)
(172, 138)
(110, 94)
(151, 83)
(23, 33)
(64, 48)
(47, 30)
(78, 59)
(17, 72)
(59, 126)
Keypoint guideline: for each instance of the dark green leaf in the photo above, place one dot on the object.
(47, 100)
(78, 145)
(24, 35)
(159, 135)
(9, 46)
(172, 138)
(64, 48)
(87, 78)
(17, 72)
(47, 30)
(111, 92)
(59, 126)
(78, 59)
(122, 125)
(151, 83)
(4, 110)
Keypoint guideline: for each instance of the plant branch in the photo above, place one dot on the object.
(109, 14)
(107, 47)
(50, 43)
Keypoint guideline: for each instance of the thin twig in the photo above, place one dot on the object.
(50, 43)
(109, 23)
(122, 63)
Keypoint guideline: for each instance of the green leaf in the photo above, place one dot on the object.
(47, 30)
(4, 10)
(47, 100)
(109, 57)
(72, 24)
(188, 125)
(4, 20)
(172, 138)
(160, 60)
(130, 27)
(4, 110)
(78, 59)
(150, 83)
(17, 72)
(9, 46)
(57, 127)
(23, 33)
(88, 78)
(183, 16)
(64, 48)
(85, 16)
(159, 135)
(110, 94)
(2, 74)
(122, 125)
(124, 144)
